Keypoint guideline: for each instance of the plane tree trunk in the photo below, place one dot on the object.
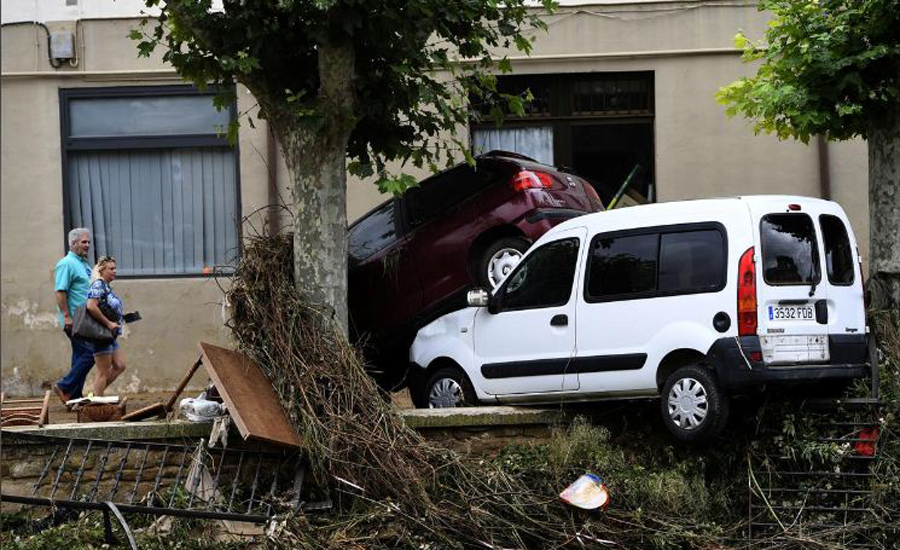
(315, 155)
(884, 210)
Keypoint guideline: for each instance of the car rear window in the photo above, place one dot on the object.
(443, 191)
(789, 251)
(838, 254)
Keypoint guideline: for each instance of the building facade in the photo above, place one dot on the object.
(93, 135)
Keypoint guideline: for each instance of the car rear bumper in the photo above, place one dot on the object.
(733, 360)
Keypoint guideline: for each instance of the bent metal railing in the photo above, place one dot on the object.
(162, 479)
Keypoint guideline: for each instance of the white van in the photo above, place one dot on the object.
(691, 301)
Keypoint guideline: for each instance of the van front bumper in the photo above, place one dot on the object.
(733, 360)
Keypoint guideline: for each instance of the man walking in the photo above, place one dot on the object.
(72, 282)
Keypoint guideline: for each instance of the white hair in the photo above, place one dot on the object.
(76, 233)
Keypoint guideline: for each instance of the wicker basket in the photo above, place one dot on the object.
(100, 412)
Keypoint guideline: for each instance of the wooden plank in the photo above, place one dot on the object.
(170, 404)
(157, 409)
(249, 396)
(45, 410)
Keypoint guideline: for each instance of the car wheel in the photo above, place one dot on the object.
(499, 259)
(447, 387)
(694, 408)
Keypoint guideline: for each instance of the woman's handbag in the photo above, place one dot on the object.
(85, 326)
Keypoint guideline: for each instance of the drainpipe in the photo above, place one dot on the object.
(272, 161)
(824, 171)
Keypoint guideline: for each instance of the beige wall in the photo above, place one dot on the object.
(699, 153)
(177, 312)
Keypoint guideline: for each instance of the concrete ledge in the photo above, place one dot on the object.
(480, 417)
(148, 430)
(145, 431)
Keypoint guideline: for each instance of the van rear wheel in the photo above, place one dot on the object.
(694, 408)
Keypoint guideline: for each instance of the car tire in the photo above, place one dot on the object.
(693, 405)
(446, 387)
(498, 259)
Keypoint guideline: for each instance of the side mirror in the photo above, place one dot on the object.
(478, 297)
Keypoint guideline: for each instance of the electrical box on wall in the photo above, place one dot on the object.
(62, 45)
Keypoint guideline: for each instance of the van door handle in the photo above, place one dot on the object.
(560, 320)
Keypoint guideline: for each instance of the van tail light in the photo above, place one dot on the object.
(746, 302)
(527, 179)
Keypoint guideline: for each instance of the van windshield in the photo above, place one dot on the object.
(790, 254)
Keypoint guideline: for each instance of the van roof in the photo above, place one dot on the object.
(653, 213)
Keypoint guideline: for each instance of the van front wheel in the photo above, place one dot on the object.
(694, 408)
(447, 387)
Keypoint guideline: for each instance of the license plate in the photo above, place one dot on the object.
(792, 313)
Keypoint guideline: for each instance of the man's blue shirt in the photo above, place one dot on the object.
(73, 276)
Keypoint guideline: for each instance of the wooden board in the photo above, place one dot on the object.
(249, 396)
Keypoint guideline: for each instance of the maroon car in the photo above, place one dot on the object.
(413, 258)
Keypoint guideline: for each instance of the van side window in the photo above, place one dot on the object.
(691, 261)
(622, 265)
(789, 252)
(373, 233)
(544, 278)
(838, 254)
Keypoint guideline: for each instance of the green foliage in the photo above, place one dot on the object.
(644, 473)
(400, 49)
(827, 67)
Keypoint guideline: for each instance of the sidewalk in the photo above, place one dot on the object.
(59, 414)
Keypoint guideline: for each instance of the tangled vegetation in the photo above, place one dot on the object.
(392, 489)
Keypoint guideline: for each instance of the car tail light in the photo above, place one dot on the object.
(746, 302)
(527, 179)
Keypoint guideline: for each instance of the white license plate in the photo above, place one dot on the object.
(792, 313)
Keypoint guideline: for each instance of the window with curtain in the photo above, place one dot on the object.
(148, 171)
(599, 125)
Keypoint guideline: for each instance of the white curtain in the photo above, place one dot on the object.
(157, 211)
(533, 141)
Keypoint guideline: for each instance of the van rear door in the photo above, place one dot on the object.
(792, 296)
(843, 276)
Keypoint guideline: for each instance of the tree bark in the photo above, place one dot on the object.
(315, 155)
(884, 210)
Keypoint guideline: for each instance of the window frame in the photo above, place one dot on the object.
(816, 259)
(659, 231)
(68, 143)
(562, 117)
(501, 292)
(853, 267)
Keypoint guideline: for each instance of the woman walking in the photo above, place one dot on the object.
(106, 307)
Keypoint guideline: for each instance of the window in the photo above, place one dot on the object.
(622, 265)
(373, 233)
(651, 262)
(148, 171)
(691, 261)
(789, 252)
(443, 191)
(838, 254)
(544, 278)
(599, 125)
